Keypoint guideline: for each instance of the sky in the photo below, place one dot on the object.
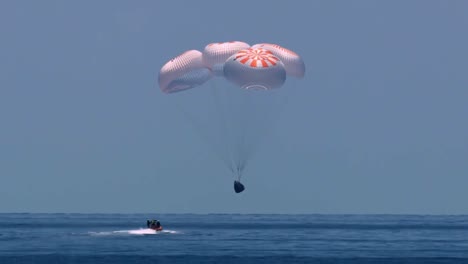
(378, 124)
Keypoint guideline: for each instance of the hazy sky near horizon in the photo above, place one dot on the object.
(378, 124)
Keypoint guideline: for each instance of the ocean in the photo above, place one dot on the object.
(232, 238)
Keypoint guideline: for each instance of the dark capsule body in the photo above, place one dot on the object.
(238, 187)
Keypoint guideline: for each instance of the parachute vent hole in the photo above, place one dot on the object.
(256, 87)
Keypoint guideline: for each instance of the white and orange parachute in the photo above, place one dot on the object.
(242, 118)
(262, 66)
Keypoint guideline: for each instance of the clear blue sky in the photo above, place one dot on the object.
(379, 124)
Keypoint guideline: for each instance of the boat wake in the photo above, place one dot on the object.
(138, 232)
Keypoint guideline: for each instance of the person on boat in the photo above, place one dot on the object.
(154, 224)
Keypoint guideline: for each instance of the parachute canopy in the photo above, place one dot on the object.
(263, 66)
(292, 62)
(215, 54)
(255, 69)
(183, 72)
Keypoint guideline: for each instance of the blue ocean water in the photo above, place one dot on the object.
(224, 238)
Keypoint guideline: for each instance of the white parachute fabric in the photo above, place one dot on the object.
(183, 72)
(293, 63)
(215, 54)
(255, 69)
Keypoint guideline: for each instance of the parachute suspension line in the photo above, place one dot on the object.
(222, 120)
(243, 148)
(244, 124)
(234, 129)
(231, 117)
(251, 118)
(239, 153)
(265, 114)
(228, 103)
(205, 137)
(239, 159)
(287, 97)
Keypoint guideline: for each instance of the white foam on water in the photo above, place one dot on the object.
(140, 232)
(146, 231)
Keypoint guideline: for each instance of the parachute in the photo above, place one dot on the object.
(255, 69)
(183, 72)
(216, 54)
(236, 72)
